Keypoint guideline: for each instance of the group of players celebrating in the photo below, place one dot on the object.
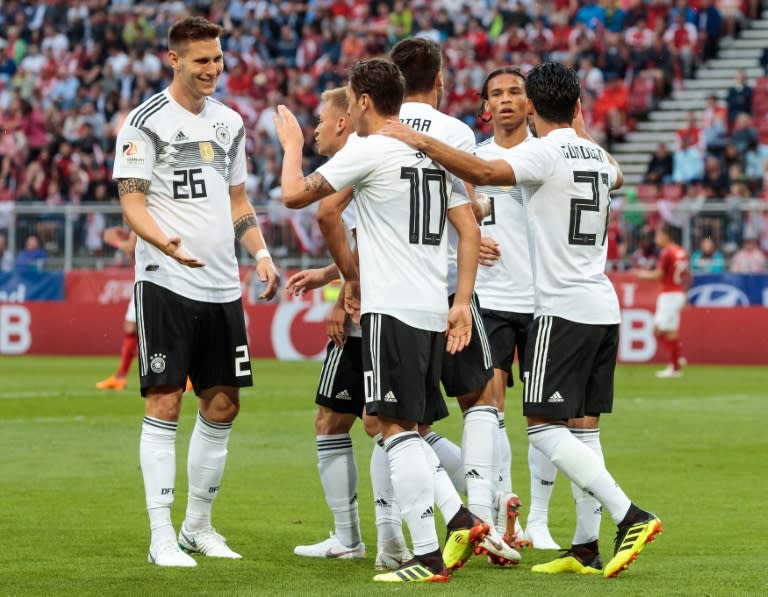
(426, 300)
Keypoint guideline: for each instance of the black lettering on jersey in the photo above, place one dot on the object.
(582, 152)
(424, 183)
(189, 184)
(580, 205)
(417, 124)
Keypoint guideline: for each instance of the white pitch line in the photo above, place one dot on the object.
(15, 395)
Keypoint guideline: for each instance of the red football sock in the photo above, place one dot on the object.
(673, 346)
(127, 352)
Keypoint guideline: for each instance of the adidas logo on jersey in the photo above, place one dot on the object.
(390, 397)
(555, 398)
(472, 474)
(343, 395)
(382, 503)
(428, 513)
(180, 136)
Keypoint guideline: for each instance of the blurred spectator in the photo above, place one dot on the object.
(739, 97)
(764, 61)
(743, 133)
(610, 110)
(690, 133)
(714, 137)
(733, 15)
(6, 259)
(715, 178)
(755, 162)
(707, 259)
(32, 257)
(591, 14)
(710, 26)
(713, 110)
(687, 163)
(683, 39)
(590, 76)
(749, 259)
(659, 168)
(645, 256)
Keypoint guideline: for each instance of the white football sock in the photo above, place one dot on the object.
(580, 464)
(389, 524)
(450, 457)
(504, 455)
(543, 474)
(205, 468)
(588, 509)
(478, 447)
(157, 455)
(413, 482)
(338, 475)
(446, 497)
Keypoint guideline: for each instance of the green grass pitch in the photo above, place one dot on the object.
(73, 522)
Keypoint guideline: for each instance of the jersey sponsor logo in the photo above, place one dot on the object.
(134, 153)
(223, 136)
(180, 136)
(157, 362)
(206, 152)
(428, 513)
(555, 398)
(390, 397)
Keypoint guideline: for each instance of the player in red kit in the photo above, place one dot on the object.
(673, 270)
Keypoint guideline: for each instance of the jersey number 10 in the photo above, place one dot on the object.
(426, 184)
(579, 206)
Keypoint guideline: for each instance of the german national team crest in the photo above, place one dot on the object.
(157, 363)
(206, 152)
(222, 134)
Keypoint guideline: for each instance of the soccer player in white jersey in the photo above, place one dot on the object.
(505, 289)
(572, 346)
(340, 398)
(467, 375)
(180, 171)
(404, 201)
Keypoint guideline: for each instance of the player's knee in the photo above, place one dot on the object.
(163, 405)
(371, 425)
(328, 422)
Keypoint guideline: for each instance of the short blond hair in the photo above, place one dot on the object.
(335, 97)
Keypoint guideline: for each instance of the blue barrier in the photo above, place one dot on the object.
(18, 287)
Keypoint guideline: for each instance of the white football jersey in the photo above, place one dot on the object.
(191, 160)
(402, 199)
(508, 285)
(451, 131)
(566, 182)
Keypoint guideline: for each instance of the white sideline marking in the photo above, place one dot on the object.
(14, 395)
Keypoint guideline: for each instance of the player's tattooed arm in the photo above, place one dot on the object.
(243, 223)
(315, 182)
(126, 186)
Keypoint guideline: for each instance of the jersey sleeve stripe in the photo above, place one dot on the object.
(144, 119)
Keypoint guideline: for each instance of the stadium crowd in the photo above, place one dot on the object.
(71, 71)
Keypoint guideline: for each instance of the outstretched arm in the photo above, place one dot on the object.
(133, 200)
(298, 190)
(466, 166)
